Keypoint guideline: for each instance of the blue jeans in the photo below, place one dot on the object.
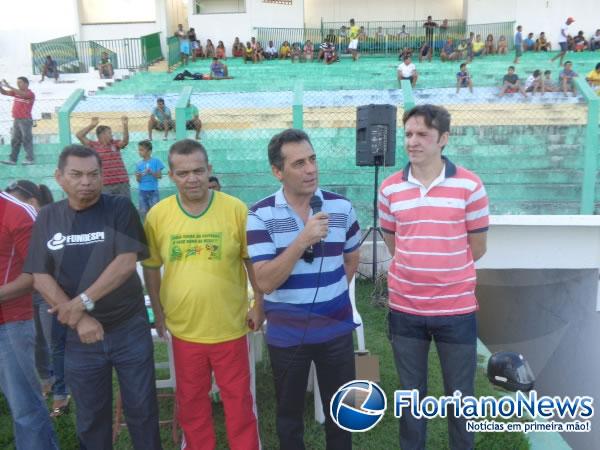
(456, 342)
(147, 199)
(50, 330)
(334, 361)
(21, 387)
(88, 369)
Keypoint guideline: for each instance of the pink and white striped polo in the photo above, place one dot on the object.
(432, 272)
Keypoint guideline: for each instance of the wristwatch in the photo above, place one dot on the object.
(88, 304)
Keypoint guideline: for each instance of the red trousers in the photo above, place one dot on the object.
(229, 361)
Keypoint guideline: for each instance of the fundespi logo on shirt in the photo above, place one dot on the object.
(59, 240)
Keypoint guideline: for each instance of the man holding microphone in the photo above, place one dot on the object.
(304, 243)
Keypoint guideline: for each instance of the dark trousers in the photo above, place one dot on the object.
(88, 368)
(334, 361)
(21, 135)
(456, 342)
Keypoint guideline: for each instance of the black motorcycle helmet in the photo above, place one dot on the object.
(510, 371)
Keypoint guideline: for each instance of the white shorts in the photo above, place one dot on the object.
(353, 45)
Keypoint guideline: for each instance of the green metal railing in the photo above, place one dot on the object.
(151, 48)
(386, 38)
(63, 50)
(173, 51)
(80, 56)
(592, 145)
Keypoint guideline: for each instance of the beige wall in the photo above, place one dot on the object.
(379, 10)
(116, 11)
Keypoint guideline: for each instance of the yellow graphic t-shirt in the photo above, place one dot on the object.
(354, 32)
(203, 291)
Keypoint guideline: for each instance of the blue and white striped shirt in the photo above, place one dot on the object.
(272, 226)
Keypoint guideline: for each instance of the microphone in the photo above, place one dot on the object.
(315, 204)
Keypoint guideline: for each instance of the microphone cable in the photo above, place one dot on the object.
(316, 206)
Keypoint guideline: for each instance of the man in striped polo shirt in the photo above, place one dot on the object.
(304, 253)
(115, 180)
(434, 217)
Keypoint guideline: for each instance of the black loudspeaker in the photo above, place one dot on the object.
(376, 135)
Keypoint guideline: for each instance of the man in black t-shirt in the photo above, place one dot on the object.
(429, 26)
(83, 257)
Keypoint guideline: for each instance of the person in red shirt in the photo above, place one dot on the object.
(114, 175)
(22, 122)
(18, 377)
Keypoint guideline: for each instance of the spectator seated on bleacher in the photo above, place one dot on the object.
(194, 43)
(249, 54)
(462, 48)
(329, 54)
(595, 41)
(535, 82)
(542, 44)
(160, 119)
(403, 34)
(448, 51)
(502, 45)
(593, 79)
(407, 71)
(296, 53)
(579, 42)
(529, 43)
(209, 49)
(567, 77)
(549, 85)
(511, 83)
(425, 51)
(237, 50)
(404, 53)
(259, 52)
(220, 52)
(490, 48)
(379, 34)
(463, 79)
(50, 69)
(218, 70)
(478, 46)
(270, 52)
(105, 67)
(285, 50)
(308, 51)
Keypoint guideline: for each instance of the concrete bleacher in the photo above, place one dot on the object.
(529, 152)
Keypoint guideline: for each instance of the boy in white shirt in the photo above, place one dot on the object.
(407, 71)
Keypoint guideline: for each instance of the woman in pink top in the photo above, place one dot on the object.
(308, 50)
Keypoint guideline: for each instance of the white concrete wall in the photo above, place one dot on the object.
(550, 317)
(225, 27)
(377, 10)
(25, 21)
(537, 15)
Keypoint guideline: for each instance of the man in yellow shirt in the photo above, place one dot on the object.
(353, 34)
(593, 78)
(198, 238)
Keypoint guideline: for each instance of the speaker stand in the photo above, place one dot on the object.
(374, 229)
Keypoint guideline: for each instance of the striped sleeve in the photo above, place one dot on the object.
(386, 218)
(352, 232)
(477, 210)
(260, 244)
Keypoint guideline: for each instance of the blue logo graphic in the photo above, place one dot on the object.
(358, 405)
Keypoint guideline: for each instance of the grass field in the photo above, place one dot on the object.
(383, 436)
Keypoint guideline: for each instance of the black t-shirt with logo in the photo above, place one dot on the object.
(75, 247)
